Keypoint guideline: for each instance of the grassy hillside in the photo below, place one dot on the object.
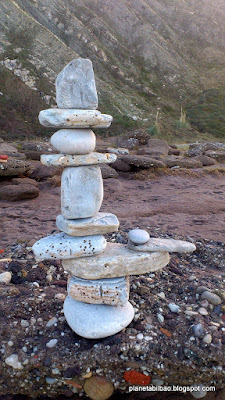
(150, 58)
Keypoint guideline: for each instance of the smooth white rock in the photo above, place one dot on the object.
(5, 277)
(114, 292)
(66, 160)
(63, 246)
(75, 86)
(173, 308)
(116, 261)
(81, 191)
(100, 224)
(13, 361)
(138, 236)
(96, 321)
(74, 141)
(58, 118)
(170, 245)
(197, 391)
(207, 338)
(52, 343)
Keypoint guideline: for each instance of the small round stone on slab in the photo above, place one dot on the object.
(138, 236)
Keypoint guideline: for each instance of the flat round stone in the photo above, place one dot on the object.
(138, 236)
(100, 224)
(93, 321)
(63, 246)
(69, 118)
(66, 160)
(115, 261)
(74, 141)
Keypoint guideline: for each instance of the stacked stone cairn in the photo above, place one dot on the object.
(97, 304)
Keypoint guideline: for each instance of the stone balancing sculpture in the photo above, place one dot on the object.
(97, 304)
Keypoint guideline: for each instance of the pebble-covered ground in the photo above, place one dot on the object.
(177, 336)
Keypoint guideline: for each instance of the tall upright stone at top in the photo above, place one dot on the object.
(75, 86)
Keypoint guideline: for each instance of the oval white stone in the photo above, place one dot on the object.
(74, 141)
(93, 321)
(81, 191)
(63, 246)
(138, 236)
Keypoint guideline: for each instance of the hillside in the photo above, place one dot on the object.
(148, 56)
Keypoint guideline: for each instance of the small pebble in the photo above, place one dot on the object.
(202, 289)
(13, 361)
(203, 311)
(207, 338)
(138, 236)
(10, 343)
(5, 277)
(217, 309)
(60, 296)
(198, 392)
(52, 343)
(50, 381)
(51, 322)
(211, 297)
(24, 323)
(162, 295)
(160, 318)
(157, 382)
(204, 303)
(174, 308)
(198, 330)
(140, 336)
(192, 278)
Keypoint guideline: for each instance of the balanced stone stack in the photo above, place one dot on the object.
(98, 286)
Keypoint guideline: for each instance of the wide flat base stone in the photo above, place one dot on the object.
(114, 292)
(66, 160)
(63, 118)
(158, 244)
(100, 224)
(93, 321)
(116, 261)
(63, 246)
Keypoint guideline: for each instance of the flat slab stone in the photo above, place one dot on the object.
(100, 224)
(114, 292)
(75, 86)
(117, 260)
(63, 246)
(94, 321)
(81, 191)
(158, 244)
(74, 141)
(66, 160)
(58, 118)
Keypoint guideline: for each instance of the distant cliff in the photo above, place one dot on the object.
(148, 55)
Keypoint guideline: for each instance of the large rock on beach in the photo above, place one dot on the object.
(142, 161)
(18, 192)
(14, 167)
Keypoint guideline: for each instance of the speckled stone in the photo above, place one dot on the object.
(58, 118)
(75, 86)
(158, 244)
(81, 192)
(96, 321)
(114, 292)
(116, 261)
(100, 224)
(74, 141)
(138, 236)
(66, 160)
(63, 246)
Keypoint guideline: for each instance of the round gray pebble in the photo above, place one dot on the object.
(138, 236)
(211, 297)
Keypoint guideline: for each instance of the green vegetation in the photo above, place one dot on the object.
(19, 109)
(207, 114)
